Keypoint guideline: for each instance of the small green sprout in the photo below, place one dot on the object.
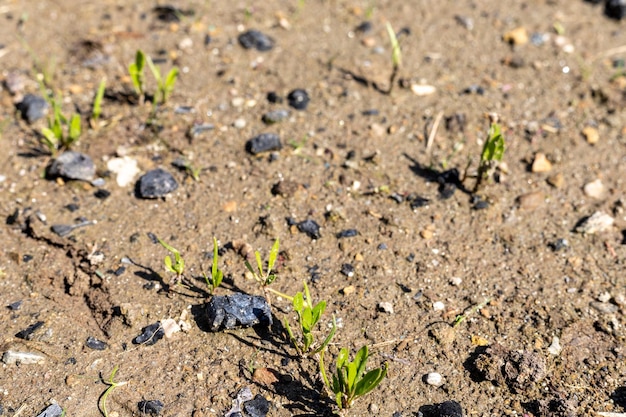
(216, 273)
(350, 380)
(165, 86)
(396, 56)
(178, 267)
(102, 404)
(461, 317)
(265, 278)
(493, 152)
(97, 101)
(308, 317)
(53, 136)
(135, 70)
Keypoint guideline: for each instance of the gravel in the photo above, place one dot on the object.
(156, 183)
(264, 142)
(254, 39)
(32, 107)
(237, 310)
(73, 166)
(95, 344)
(298, 99)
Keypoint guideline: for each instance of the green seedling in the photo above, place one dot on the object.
(178, 266)
(396, 56)
(165, 86)
(350, 380)
(97, 101)
(493, 152)
(54, 137)
(308, 317)
(102, 404)
(216, 273)
(461, 317)
(135, 70)
(264, 278)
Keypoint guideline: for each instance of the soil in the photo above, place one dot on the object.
(542, 320)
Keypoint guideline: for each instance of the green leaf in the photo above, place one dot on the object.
(370, 380)
(259, 263)
(75, 128)
(298, 302)
(360, 361)
(97, 101)
(308, 341)
(273, 255)
(317, 312)
(170, 81)
(270, 278)
(307, 295)
(140, 60)
(168, 264)
(493, 149)
(168, 247)
(155, 70)
(291, 336)
(215, 260)
(306, 319)
(50, 138)
(396, 52)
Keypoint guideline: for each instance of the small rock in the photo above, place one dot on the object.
(170, 326)
(421, 90)
(273, 97)
(435, 379)
(285, 188)
(237, 310)
(604, 297)
(594, 189)
(150, 335)
(456, 281)
(125, 168)
(156, 183)
(27, 333)
(25, 358)
(604, 308)
(53, 410)
(275, 116)
(311, 228)
(438, 306)
(556, 180)
(265, 376)
(95, 344)
(257, 40)
(426, 234)
(264, 142)
(350, 289)
(559, 244)
(153, 407)
(298, 99)
(449, 409)
(347, 270)
(531, 201)
(615, 9)
(102, 194)
(555, 348)
(541, 163)
(16, 305)
(598, 222)
(257, 407)
(517, 36)
(347, 233)
(32, 108)
(72, 165)
(239, 123)
(591, 134)
(385, 307)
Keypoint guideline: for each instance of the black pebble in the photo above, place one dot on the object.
(450, 409)
(474, 89)
(152, 238)
(311, 228)
(298, 99)
(102, 194)
(119, 271)
(150, 335)
(347, 233)
(153, 407)
(237, 310)
(72, 207)
(347, 270)
(16, 305)
(275, 116)
(615, 9)
(382, 246)
(559, 244)
(478, 203)
(398, 198)
(27, 333)
(265, 142)
(257, 407)
(417, 202)
(272, 97)
(62, 229)
(27, 258)
(72, 165)
(364, 27)
(95, 344)
(71, 361)
(257, 40)
(370, 112)
(155, 184)
(32, 107)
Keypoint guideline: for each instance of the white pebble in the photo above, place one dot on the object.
(239, 123)
(555, 348)
(435, 379)
(438, 306)
(594, 189)
(598, 222)
(11, 357)
(456, 281)
(386, 307)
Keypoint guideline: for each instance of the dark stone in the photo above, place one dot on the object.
(53, 410)
(95, 344)
(559, 244)
(311, 228)
(119, 271)
(27, 258)
(474, 89)
(32, 107)
(383, 246)
(265, 142)
(155, 184)
(16, 305)
(150, 335)
(257, 407)
(237, 310)
(72, 207)
(370, 112)
(257, 40)
(450, 409)
(62, 229)
(27, 333)
(72, 165)
(102, 194)
(275, 116)
(364, 27)
(153, 407)
(71, 361)
(398, 198)
(171, 14)
(272, 97)
(153, 238)
(417, 201)
(347, 270)
(298, 99)
(615, 9)
(478, 203)
(347, 233)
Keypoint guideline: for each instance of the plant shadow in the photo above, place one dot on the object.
(449, 180)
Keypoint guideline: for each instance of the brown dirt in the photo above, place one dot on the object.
(502, 253)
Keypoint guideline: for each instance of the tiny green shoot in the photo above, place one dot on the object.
(493, 152)
(396, 56)
(216, 274)
(135, 70)
(264, 277)
(178, 266)
(54, 137)
(308, 317)
(112, 385)
(165, 86)
(461, 317)
(350, 380)
(97, 101)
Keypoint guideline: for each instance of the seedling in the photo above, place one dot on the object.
(135, 70)
(461, 317)
(308, 317)
(216, 273)
(165, 86)
(396, 56)
(178, 267)
(264, 278)
(350, 380)
(102, 404)
(54, 137)
(493, 152)
(97, 101)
